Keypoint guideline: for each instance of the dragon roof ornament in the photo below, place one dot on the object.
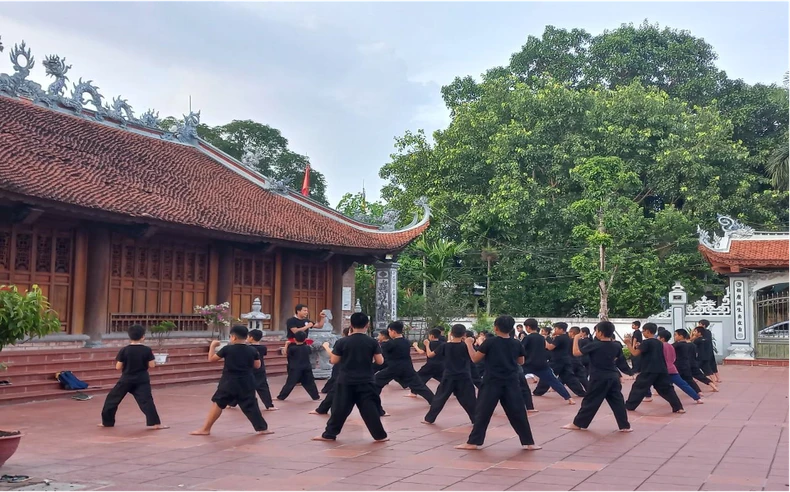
(731, 228)
(83, 93)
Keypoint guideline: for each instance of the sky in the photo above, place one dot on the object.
(342, 80)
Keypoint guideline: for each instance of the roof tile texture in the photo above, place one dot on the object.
(752, 253)
(56, 156)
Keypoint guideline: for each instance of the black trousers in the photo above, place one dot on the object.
(142, 395)
(508, 394)
(408, 375)
(564, 373)
(636, 363)
(326, 404)
(304, 376)
(660, 382)
(708, 367)
(431, 371)
(700, 376)
(330, 383)
(240, 391)
(526, 393)
(365, 397)
(608, 389)
(262, 388)
(688, 377)
(477, 378)
(464, 392)
(580, 372)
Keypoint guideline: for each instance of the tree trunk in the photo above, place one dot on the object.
(488, 288)
(603, 311)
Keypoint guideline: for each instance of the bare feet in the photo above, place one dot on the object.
(322, 438)
(647, 400)
(264, 433)
(699, 402)
(714, 388)
(200, 432)
(314, 413)
(627, 430)
(426, 422)
(681, 411)
(102, 425)
(382, 440)
(386, 415)
(572, 427)
(158, 427)
(532, 447)
(570, 401)
(272, 409)
(410, 395)
(530, 412)
(471, 447)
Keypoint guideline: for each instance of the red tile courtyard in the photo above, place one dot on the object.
(737, 440)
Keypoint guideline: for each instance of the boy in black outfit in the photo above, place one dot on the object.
(502, 355)
(686, 362)
(477, 378)
(133, 361)
(261, 382)
(536, 360)
(397, 352)
(653, 371)
(457, 376)
(577, 361)
(561, 347)
(237, 383)
(636, 326)
(356, 354)
(300, 370)
(434, 366)
(326, 404)
(606, 355)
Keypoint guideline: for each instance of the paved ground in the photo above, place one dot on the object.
(738, 440)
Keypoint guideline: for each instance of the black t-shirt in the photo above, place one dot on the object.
(501, 360)
(295, 323)
(135, 359)
(584, 358)
(652, 352)
(299, 356)
(262, 351)
(356, 353)
(397, 352)
(637, 335)
(536, 352)
(562, 349)
(457, 363)
(239, 359)
(684, 353)
(603, 359)
(438, 359)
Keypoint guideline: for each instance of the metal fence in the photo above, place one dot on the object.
(771, 325)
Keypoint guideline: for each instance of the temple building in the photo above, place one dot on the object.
(120, 222)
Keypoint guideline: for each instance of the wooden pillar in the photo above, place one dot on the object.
(337, 294)
(224, 273)
(278, 276)
(78, 282)
(97, 288)
(286, 289)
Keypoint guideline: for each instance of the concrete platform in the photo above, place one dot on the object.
(737, 440)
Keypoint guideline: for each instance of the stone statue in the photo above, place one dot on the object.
(322, 368)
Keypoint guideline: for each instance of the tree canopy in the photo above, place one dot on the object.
(628, 139)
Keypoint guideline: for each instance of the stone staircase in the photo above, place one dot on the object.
(32, 372)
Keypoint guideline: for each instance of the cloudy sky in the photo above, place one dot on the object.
(341, 80)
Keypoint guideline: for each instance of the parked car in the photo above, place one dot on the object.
(776, 330)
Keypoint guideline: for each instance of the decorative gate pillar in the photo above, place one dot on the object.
(386, 293)
(741, 341)
(677, 306)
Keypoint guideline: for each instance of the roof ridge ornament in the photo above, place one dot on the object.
(82, 94)
(733, 227)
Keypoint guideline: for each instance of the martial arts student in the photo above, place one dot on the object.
(237, 383)
(536, 360)
(477, 378)
(636, 334)
(526, 392)
(300, 370)
(326, 403)
(710, 368)
(653, 371)
(502, 355)
(384, 337)
(586, 338)
(577, 362)
(399, 364)
(457, 377)
(481, 366)
(255, 339)
(355, 354)
(434, 366)
(133, 361)
(561, 347)
(605, 353)
(674, 376)
(686, 362)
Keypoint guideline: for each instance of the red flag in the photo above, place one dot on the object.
(306, 182)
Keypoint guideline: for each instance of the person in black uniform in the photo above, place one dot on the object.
(326, 403)
(356, 355)
(384, 337)
(636, 334)
(535, 361)
(654, 371)
(696, 370)
(526, 393)
(397, 353)
(254, 338)
(457, 376)
(300, 369)
(477, 378)
(301, 323)
(577, 362)
(605, 353)
(709, 367)
(237, 383)
(133, 361)
(434, 366)
(586, 338)
(502, 355)
(561, 361)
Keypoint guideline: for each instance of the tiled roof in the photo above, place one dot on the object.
(51, 155)
(751, 253)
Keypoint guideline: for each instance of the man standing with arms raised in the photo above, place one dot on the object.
(300, 322)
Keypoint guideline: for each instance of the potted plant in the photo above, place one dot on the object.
(22, 317)
(217, 317)
(160, 333)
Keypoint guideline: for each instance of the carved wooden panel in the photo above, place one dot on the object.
(310, 281)
(253, 276)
